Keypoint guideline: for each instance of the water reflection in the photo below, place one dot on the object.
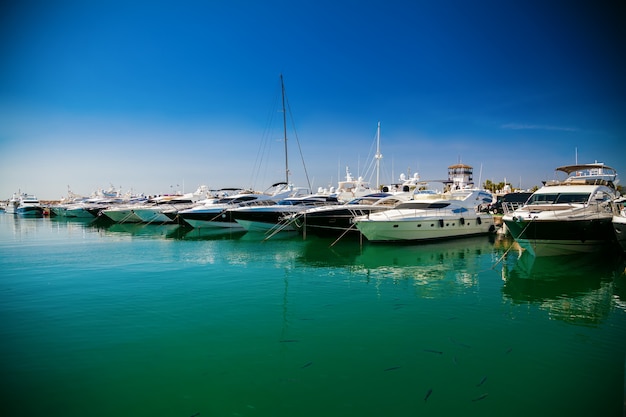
(148, 231)
(189, 233)
(580, 289)
(440, 268)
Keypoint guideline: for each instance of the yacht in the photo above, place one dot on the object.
(429, 216)
(277, 217)
(123, 212)
(26, 205)
(165, 208)
(568, 216)
(337, 219)
(216, 214)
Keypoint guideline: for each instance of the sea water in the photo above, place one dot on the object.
(146, 320)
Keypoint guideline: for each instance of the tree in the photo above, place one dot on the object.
(489, 185)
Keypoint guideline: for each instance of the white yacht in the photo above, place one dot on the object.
(568, 216)
(123, 212)
(430, 216)
(216, 214)
(278, 216)
(26, 205)
(165, 208)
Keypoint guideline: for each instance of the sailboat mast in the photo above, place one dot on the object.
(378, 156)
(282, 87)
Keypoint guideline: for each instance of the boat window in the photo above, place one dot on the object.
(563, 198)
(573, 198)
(247, 198)
(390, 202)
(543, 198)
(363, 201)
(422, 205)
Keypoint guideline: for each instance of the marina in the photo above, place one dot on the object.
(430, 223)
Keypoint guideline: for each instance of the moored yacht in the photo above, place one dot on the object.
(568, 216)
(123, 213)
(26, 205)
(216, 213)
(337, 219)
(73, 210)
(430, 216)
(277, 216)
(165, 208)
(162, 210)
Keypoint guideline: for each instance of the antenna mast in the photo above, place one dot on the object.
(282, 88)
(378, 156)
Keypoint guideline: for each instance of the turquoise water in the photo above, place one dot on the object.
(150, 320)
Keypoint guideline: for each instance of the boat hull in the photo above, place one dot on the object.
(218, 218)
(29, 211)
(264, 221)
(619, 227)
(554, 237)
(330, 222)
(122, 216)
(152, 215)
(72, 211)
(424, 229)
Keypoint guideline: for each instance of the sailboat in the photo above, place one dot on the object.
(264, 218)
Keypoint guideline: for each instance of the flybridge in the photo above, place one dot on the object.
(587, 174)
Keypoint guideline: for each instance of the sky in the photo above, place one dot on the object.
(161, 96)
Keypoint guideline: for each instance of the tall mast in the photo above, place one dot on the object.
(282, 87)
(378, 156)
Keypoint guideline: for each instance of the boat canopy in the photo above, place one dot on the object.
(596, 169)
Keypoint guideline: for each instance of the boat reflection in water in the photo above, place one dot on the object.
(140, 230)
(207, 233)
(580, 289)
(438, 269)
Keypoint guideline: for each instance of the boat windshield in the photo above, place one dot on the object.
(364, 201)
(415, 205)
(559, 198)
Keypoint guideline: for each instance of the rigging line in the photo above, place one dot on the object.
(264, 149)
(343, 234)
(293, 126)
(511, 247)
(152, 220)
(222, 212)
(280, 226)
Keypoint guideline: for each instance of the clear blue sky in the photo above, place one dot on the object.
(151, 95)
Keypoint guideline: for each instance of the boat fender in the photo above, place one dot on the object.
(462, 221)
(440, 222)
(479, 220)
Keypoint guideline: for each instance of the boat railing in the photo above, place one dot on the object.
(509, 207)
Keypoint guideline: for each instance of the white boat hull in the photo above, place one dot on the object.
(207, 224)
(72, 211)
(424, 229)
(263, 227)
(122, 215)
(151, 215)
